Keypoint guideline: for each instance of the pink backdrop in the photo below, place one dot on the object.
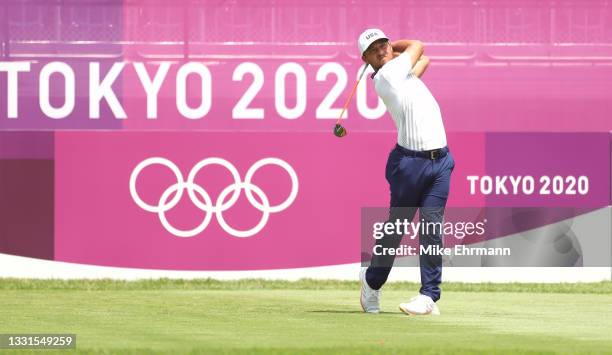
(499, 70)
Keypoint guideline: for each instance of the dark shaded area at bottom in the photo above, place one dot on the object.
(27, 207)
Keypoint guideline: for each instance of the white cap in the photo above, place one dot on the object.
(368, 37)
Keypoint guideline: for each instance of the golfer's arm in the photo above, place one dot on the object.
(420, 66)
(414, 48)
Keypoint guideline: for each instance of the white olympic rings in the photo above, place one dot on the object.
(202, 200)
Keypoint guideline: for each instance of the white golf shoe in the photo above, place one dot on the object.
(370, 298)
(420, 305)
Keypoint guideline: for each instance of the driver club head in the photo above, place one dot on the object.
(339, 131)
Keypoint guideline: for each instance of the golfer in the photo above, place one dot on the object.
(418, 168)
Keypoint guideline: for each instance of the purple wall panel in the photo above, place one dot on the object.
(26, 207)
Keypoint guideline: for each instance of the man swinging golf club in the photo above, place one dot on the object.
(418, 168)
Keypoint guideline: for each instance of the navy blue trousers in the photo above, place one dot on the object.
(422, 184)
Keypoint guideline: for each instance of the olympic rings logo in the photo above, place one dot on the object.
(202, 200)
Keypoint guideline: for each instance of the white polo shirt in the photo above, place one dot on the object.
(414, 109)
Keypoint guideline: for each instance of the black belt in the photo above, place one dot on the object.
(427, 154)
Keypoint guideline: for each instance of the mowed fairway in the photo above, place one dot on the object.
(205, 316)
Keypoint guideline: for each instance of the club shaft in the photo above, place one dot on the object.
(348, 100)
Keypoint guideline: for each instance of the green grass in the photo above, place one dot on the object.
(255, 316)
